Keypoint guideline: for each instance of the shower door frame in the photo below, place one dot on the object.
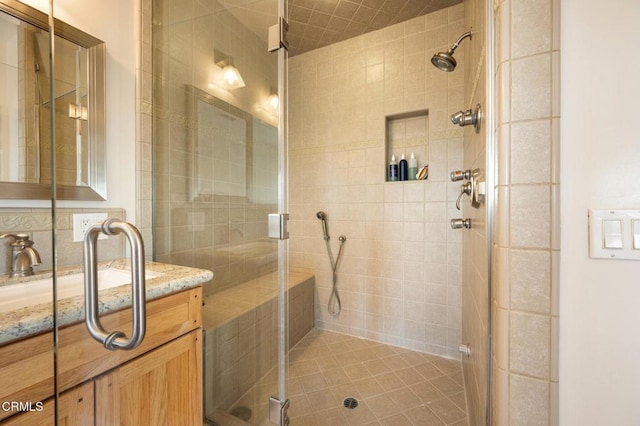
(281, 418)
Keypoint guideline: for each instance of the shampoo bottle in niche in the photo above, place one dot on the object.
(413, 167)
(393, 169)
(403, 169)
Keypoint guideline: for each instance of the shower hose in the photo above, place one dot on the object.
(334, 306)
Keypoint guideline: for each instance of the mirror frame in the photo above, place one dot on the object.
(96, 52)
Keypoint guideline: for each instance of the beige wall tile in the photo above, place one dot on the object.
(504, 92)
(531, 87)
(531, 152)
(530, 278)
(502, 225)
(528, 401)
(530, 27)
(437, 19)
(500, 396)
(555, 282)
(554, 351)
(501, 277)
(503, 154)
(530, 221)
(501, 343)
(555, 84)
(503, 32)
(529, 344)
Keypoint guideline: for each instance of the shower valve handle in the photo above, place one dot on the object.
(460, 223)
(465, 188)
(459, 175)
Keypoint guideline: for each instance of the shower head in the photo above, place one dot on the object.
(321, 215)
(445, 61)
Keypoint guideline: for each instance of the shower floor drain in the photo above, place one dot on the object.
(350, 403)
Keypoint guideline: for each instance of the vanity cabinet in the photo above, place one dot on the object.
(159, 382)
(163, 387)
(75, 407)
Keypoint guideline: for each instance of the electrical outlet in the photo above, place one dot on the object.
(83, 221)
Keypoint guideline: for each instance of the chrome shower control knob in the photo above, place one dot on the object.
(460, 223)
(467, 118)
(459, 175)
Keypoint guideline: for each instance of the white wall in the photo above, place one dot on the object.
(600, 299)
(113, 22)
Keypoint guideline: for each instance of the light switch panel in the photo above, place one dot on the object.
(614, 234)
(635, 228)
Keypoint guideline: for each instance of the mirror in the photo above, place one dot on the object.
(25, 108)
(237, 153)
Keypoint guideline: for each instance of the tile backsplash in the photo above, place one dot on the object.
(37, 224)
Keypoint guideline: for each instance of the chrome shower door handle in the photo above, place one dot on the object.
(116, 339)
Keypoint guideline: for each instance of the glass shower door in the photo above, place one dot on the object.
(27, 291)
(219, 171)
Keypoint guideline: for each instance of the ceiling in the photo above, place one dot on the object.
(318, 23)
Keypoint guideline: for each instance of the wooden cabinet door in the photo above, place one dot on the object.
(162, 387)
(75, 407)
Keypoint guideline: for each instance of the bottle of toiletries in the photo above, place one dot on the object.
(403, 169)
(413, 167)
(393, 169)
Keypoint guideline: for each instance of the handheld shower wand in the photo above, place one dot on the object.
(334, 299)
(323, 217)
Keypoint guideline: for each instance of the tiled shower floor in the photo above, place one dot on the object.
(393, 386)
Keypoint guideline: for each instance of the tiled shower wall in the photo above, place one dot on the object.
(475, 275)
(526, 245)
(400, 277)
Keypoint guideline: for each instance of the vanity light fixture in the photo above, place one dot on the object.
(273, 103)
(231, 77)
(227, 75)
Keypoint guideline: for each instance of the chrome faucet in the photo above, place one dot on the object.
(23, 255)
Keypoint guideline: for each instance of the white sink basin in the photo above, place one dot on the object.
(31, 293)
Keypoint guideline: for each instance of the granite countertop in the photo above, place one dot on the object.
(31, 320)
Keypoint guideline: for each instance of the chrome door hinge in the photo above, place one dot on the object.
(277, 226)
(278, 35)
(278, 411)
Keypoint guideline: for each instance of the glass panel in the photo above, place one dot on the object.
(216, 179)
(284, 284)
(27, 315)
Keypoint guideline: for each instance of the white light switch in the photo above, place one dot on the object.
(612, 234)
(635, 226)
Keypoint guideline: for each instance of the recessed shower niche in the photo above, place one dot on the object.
(407, 133)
